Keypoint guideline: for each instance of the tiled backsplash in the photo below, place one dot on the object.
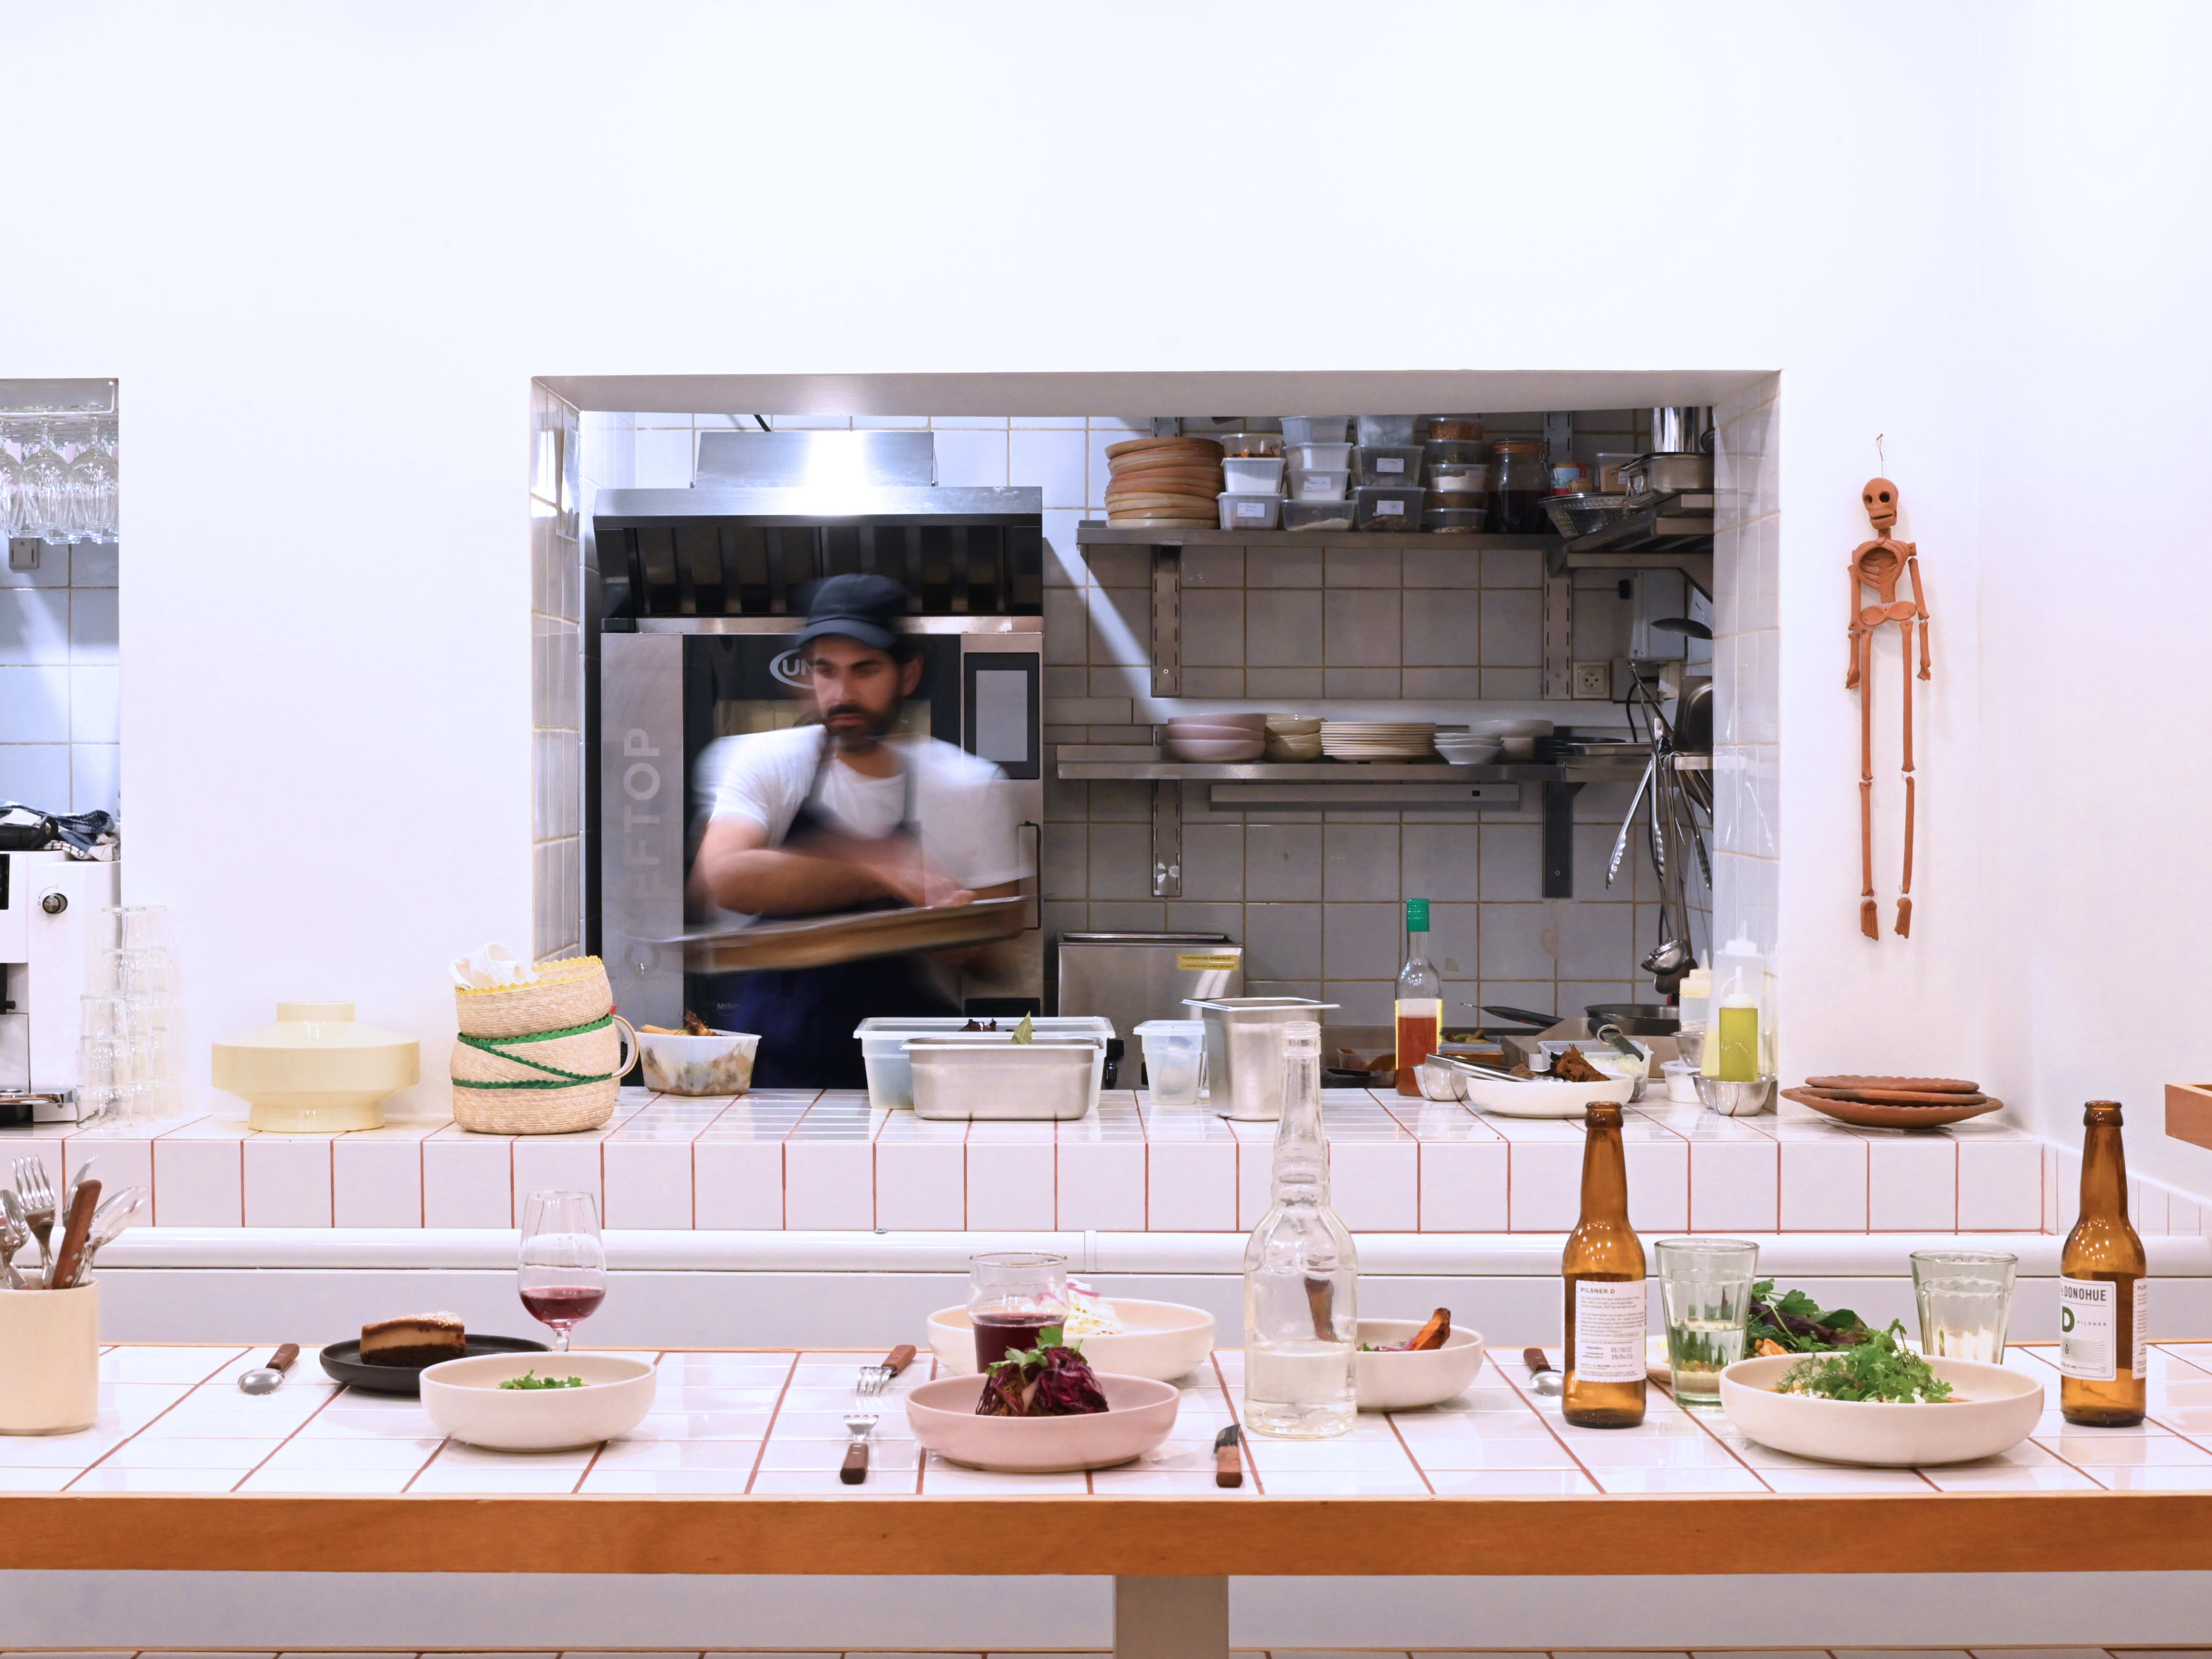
(557, 668)
(60, 692)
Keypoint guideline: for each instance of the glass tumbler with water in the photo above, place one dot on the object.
(1965, 1301)
(1705, 1284)
(1012, 1295)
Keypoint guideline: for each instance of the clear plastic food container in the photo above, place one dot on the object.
(1317, 515)
(1312, 483)
(1254, 477)
(1388, 464)
(1463, 478)
(1461, 518)
(882, 1040)
(1248, 443)
(1249, 512)
(1456, 427)
(1174, 1060)
(1331, 457)
(1053, 1076)
(1385, 428)
(1455, 449)
(1315, 428)
(1385, 507)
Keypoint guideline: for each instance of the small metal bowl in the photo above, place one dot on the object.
(1441, 1080)
(1736, 1099)
(1579, 515)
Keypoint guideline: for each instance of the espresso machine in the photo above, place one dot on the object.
(48, 902)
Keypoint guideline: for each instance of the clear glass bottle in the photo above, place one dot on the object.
(1301, 1275)
(2104, 1289)
(1420, 1000)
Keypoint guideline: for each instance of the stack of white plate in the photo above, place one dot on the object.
(1293, 738)
(1217, 739)
(1379, 740)
(1463, 748)
(1518, 737)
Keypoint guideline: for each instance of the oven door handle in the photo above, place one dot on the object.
(1036, 874)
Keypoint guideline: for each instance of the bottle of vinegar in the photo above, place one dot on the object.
(1603, 1267)
(2104, 1289)
(1420, 1000)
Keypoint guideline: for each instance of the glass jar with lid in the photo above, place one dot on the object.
(1516, 500)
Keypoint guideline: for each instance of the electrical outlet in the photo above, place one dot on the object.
(1593, 679)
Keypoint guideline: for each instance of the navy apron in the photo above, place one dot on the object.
(806, 1017)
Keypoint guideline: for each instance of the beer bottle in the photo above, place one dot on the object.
(2104, 1289)
(1603, 1267)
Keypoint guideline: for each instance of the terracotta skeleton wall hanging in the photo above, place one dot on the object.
(1879, 564)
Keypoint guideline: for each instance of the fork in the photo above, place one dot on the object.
(13, 1235)
(38, 1195)
(874, 1379)
(860, 1424)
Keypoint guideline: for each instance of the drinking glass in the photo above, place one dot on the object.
(563, 1277)
(1965, 1301)
(1705, 1284)
(1013, 1296)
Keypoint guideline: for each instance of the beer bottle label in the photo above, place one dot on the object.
(2086, 1333)
(2141, 1362)
(1609, 1324)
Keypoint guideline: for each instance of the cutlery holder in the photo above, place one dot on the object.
(49, 1360)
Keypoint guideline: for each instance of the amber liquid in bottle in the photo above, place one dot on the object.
(2103, 1289)
(1603, 1267)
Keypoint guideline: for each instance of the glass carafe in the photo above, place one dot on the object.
(1516, 501)
(1301, 1275)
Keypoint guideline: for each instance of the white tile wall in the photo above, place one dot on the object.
(558, 516)
(60, 703)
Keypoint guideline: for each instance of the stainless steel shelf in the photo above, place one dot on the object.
(1093, 532)
(1352, 774)
(1675, 533)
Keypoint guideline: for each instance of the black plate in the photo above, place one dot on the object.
(343, 1362)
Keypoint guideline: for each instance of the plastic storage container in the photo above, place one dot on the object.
(1456, 428)
(1326, 457)
(1000, 1079)
(1174, 1060)
(1250, 512)
(1384, 506)
(883, 1047)
(1455, 449)
(1317, 516)
(1248, 443)
(1385, 428)
(1388, 464)
(1315, 428)
(1254, 476)
(1462, 520)
(1475, 478)
(1312, 483)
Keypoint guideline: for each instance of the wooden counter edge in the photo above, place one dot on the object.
(1962, 1532)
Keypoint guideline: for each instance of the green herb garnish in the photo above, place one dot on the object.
(1879, 1367)
(530, 1379)
(1026, 1031)
(1796, 1324)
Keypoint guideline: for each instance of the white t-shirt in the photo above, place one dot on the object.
(964, 808)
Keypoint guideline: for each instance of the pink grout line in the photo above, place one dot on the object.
(134, 1434)
(286, 1441)
(775, 1411)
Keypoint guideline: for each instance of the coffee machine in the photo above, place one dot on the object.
(48, 903)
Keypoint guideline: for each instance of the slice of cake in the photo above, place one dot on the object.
(417, 1340)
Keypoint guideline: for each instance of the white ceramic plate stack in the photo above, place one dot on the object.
(1379, 740)
(1293, 738)
(1462, 748)
(1218, 740)
(1518, 737)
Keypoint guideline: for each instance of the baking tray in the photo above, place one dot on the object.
(819, 941)
(343, 1362)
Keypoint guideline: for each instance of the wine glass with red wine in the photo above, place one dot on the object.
(563, 1277)
(1012, 1296)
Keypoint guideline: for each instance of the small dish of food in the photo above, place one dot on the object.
(391, 1355)
(1876, 1402)
(1042, 1411)
(1487, 1091)
(1162, 1341)
(1403, 1365)
(698, 1059)
(538, 1402)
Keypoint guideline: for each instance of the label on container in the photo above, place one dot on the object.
(2088, 1313)
(1202, 961)
(1390, 509)
(1251, 509)
(1389, 463)
(2140, 1361)
(1608, 1333)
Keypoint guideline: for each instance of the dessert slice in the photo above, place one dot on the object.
(417, 1340)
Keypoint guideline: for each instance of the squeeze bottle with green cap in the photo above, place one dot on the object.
(1420, 1000)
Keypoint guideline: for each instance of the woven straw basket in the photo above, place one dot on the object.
(541, 1059)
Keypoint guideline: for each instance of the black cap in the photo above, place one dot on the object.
(863, 607)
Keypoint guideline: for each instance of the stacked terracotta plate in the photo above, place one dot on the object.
(1379, 741)
(1217, 739)
(1165, 480)
(1895, 1103)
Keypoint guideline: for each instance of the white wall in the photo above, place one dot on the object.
(335, 247)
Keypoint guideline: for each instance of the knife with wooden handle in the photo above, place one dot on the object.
(1229, 1457)
(61, 1266)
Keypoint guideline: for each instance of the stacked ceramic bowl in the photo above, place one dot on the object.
(1216, 739)
(1461, 747)
(1293, 738)
(1517, 737)
(1379, 740)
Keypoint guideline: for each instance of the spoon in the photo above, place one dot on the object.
(1542, 1378)
(267, 1379)
(108, 1223)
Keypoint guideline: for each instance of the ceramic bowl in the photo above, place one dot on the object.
(720, 1063)
(1294, 725)
(1470, 751)
(1140, 1413)
(1541, 1098)
(1407, 1381)
(1996, 1409)
(1510, 728)
(1216, 750)
(1255, 723)
(1165, 1340)
(464, 1399)
(1201, 733)
(1294, 749)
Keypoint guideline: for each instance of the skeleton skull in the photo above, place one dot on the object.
(1881, 498)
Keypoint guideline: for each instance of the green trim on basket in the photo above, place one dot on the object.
(555, 1078)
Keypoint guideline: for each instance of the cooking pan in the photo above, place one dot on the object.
(1634, 1019)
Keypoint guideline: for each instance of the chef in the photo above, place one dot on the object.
(839, 815)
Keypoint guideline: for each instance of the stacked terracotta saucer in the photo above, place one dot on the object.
(1894, 1102)
(1165, 480)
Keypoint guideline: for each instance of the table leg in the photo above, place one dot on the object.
(1170, 1618)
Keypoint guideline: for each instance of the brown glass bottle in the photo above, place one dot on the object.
(1603, 1267)
(2104, 1285)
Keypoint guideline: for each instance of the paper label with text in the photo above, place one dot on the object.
(1608, 1333)
(2088, 1313)
(1390, 463)
(2141, 1361)
(1390, 509)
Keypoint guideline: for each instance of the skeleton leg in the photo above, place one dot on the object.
(1905, 890)
(1870, 920)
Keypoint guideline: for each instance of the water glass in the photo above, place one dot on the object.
(1705, 1285)
(1012, 1295)
(1965, 1301)
(563, 1274)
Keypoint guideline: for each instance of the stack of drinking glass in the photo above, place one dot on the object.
(130, 1047)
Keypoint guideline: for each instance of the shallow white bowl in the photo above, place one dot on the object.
(719, 1064)
(1998, 1409)
(1216, 750)
(464, 1400)
(1541, 1098)
(1294, 725)
(1166, 1340)
(1407, 1381)
(1254, 722)
(1509, 728)
(1140, 1413)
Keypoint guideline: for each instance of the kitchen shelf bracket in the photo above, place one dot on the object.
(1167, 621)
(1559, 839)
(1166, 838)
(1558, 636)
(1673, 532)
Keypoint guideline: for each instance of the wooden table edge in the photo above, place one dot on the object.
(1483, 1537)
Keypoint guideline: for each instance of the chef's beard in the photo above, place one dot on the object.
(877, 727)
